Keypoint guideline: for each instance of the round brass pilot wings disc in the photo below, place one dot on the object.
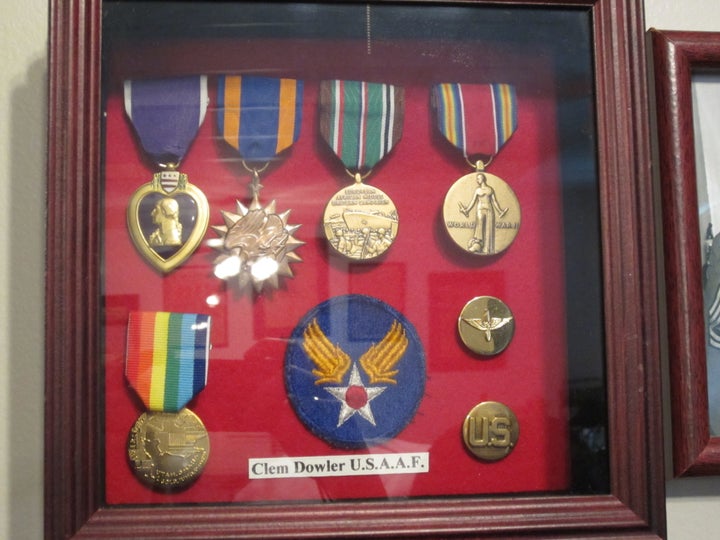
(481, 213)
(360, 222)
(168, 450)
(490, 431)
(486, 325)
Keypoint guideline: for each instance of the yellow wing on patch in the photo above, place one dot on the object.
(330, 360)
(380, 359)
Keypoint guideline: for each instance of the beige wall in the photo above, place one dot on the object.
(23, 76)
(693, 504)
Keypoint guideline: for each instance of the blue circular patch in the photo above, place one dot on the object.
(355, 371)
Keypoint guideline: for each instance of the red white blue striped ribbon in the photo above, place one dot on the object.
(476, 118)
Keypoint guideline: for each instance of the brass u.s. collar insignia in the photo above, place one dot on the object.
(167, 219)
(491, 431)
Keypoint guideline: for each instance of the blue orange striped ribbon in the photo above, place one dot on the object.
(464, 112)
(167, 357)
(259, 116)
(361, 121)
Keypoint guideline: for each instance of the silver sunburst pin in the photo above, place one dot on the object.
(256, 244)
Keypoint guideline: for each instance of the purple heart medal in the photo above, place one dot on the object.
(167, 217)
(260, 118)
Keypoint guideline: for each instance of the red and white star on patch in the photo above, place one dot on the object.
(355, 398)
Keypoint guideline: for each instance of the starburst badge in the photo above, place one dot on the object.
(355, 371)
(260, 118)
(256, 246)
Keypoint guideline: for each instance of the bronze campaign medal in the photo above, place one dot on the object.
(166, 364)
(168, 450)
(490, 431)
(360, 221)
(486, 325)
(361, 122)
(481, 212)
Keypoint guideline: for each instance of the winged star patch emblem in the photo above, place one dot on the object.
(332, 364)
(354, 371)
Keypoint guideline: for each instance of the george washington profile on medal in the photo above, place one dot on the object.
(166, 215)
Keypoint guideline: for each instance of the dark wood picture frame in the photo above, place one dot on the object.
(74, 492)
(676, 55)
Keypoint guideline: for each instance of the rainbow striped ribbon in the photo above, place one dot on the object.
(167, 357)
(259, 116)
(465, 111)
(361, 121)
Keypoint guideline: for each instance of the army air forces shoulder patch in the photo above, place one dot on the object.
(355, 371)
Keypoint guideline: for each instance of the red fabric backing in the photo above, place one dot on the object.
(424, 275)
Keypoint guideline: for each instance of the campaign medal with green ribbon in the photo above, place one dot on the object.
(167, 364)
(481, 212)
(167, 217)
(361, 122)
(259, 118)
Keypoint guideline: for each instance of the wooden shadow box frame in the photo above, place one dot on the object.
(631, 503)
(677, 57)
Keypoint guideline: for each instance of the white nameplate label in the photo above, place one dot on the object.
(315, 466)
